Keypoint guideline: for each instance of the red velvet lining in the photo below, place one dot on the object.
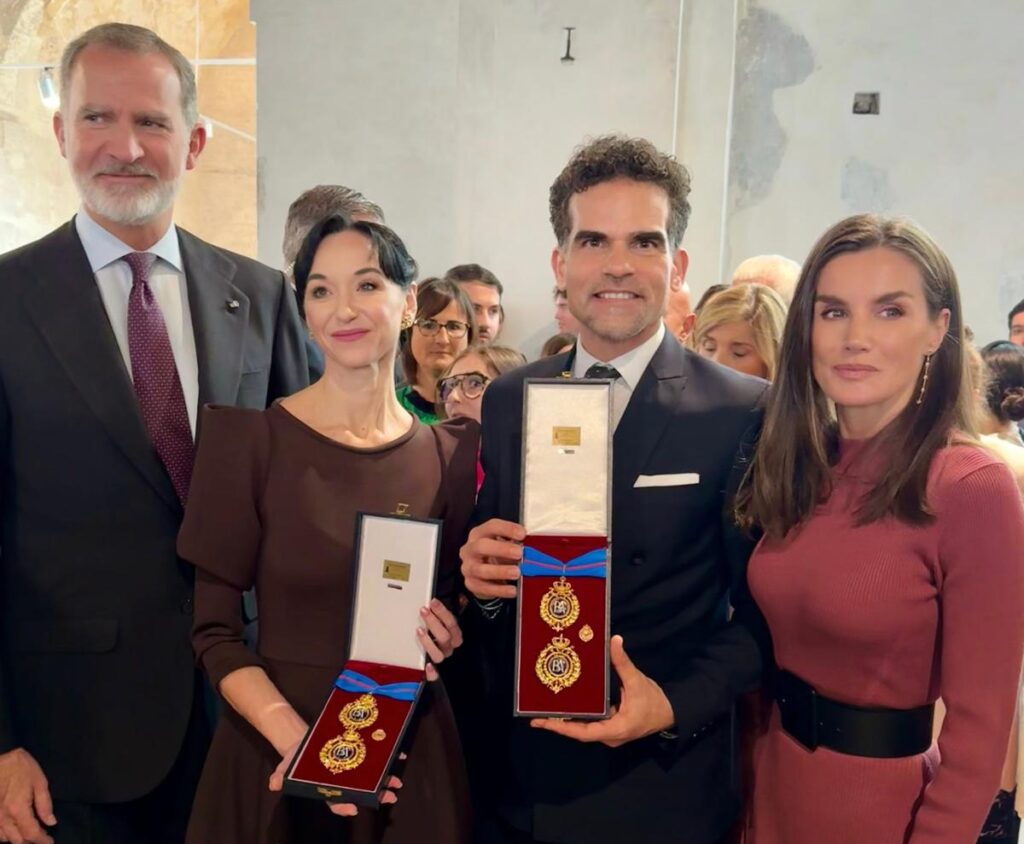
(392, 717)
(587, 696)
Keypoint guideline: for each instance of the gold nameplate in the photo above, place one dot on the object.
(396, 571)
(561, 435)
(329, 792)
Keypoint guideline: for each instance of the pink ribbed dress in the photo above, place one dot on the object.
(891, 615)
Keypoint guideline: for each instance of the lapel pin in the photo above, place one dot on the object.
(232, 305)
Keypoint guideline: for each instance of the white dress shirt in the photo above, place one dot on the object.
(166, 280)
(630, 366)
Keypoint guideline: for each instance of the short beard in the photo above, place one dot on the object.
(130, 207)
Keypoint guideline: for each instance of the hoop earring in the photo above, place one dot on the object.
(924, 380)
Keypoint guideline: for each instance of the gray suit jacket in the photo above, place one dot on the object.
(96, 669)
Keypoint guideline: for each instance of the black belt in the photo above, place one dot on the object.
(814, 720)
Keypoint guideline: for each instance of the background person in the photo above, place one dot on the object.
(444, 327)
(742, 328)
(774, 271)
(485, 292)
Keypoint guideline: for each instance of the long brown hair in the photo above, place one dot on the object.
(791, 470)
(433, 296)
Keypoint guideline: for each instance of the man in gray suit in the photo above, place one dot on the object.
(114, 330)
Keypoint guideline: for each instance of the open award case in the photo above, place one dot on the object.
(349, 751)
(562, 614)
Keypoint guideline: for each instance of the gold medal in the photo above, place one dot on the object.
(343, 753)
(586, 633)
(558, 665)
(560, 607)
(359, 713)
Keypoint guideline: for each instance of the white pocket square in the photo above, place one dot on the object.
(679, 479)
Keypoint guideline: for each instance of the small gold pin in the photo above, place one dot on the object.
(401, 509)
(232, 305)
(586, 633)
(378, 735)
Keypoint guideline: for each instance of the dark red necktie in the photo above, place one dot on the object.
(156, 377)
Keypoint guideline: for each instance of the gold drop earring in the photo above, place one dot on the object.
(924, 379)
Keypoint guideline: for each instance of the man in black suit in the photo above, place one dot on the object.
(662, 767)
(114, 330)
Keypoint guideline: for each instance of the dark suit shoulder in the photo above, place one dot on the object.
(511, 383)
(61, 239)
(728, 387)
(247, 270)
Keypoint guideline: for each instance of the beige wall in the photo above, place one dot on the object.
(218, 199)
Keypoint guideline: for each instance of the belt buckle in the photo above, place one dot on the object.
(798, 706)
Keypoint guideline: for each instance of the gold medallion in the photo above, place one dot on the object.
(558, 665)
(359, 713)
(586, 633)
(343, 753)
(560, 607)
(378, 735)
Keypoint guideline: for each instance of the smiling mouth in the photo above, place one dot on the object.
(616, 296)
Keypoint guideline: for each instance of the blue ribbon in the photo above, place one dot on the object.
(353, 681)
(538, 564)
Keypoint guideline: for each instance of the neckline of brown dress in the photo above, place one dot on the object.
(317, 435)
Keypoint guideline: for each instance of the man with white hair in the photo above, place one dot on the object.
(775, 271)
(114, 330)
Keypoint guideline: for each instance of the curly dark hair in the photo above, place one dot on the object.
(619, 157)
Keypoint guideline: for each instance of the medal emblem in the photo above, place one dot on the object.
(359, 713)
(586, 633)
(343, 753)
(558, 665)
(560, 607)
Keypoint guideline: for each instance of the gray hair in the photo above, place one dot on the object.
(320, 202)
(132, 39)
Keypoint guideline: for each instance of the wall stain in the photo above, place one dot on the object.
(865, 188)
(769, 55)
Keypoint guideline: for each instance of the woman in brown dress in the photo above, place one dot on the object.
(272, 506)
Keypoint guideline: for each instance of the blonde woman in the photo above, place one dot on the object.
(742, 328)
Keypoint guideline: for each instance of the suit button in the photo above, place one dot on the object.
(638, 560)
(186, 606)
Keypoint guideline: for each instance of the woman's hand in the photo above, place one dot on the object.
(346, 810)
(441, 636)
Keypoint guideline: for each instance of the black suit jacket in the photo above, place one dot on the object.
(677, 564)
(96, 665)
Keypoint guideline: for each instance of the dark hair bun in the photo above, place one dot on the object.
(1013, 404)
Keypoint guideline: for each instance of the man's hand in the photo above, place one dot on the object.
(24, 799)
(643, 709)
(490, 558)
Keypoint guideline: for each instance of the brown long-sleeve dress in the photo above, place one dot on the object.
(273, 505)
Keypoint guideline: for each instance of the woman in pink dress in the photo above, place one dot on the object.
(891, 571)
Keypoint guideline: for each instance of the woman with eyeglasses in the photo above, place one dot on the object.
(444, 327)
(461, 391)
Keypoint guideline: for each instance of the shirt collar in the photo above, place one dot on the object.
(630, 366)
(102, 248)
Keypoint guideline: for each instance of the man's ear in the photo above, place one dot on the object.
(58, 131)
(196, 144)
(680, 263)
(558, 266)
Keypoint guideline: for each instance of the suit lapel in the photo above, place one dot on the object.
(66, 307)
(220, 314)
(653, 405)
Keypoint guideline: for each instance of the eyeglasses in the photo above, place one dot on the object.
(470, 383)
(430, 327)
